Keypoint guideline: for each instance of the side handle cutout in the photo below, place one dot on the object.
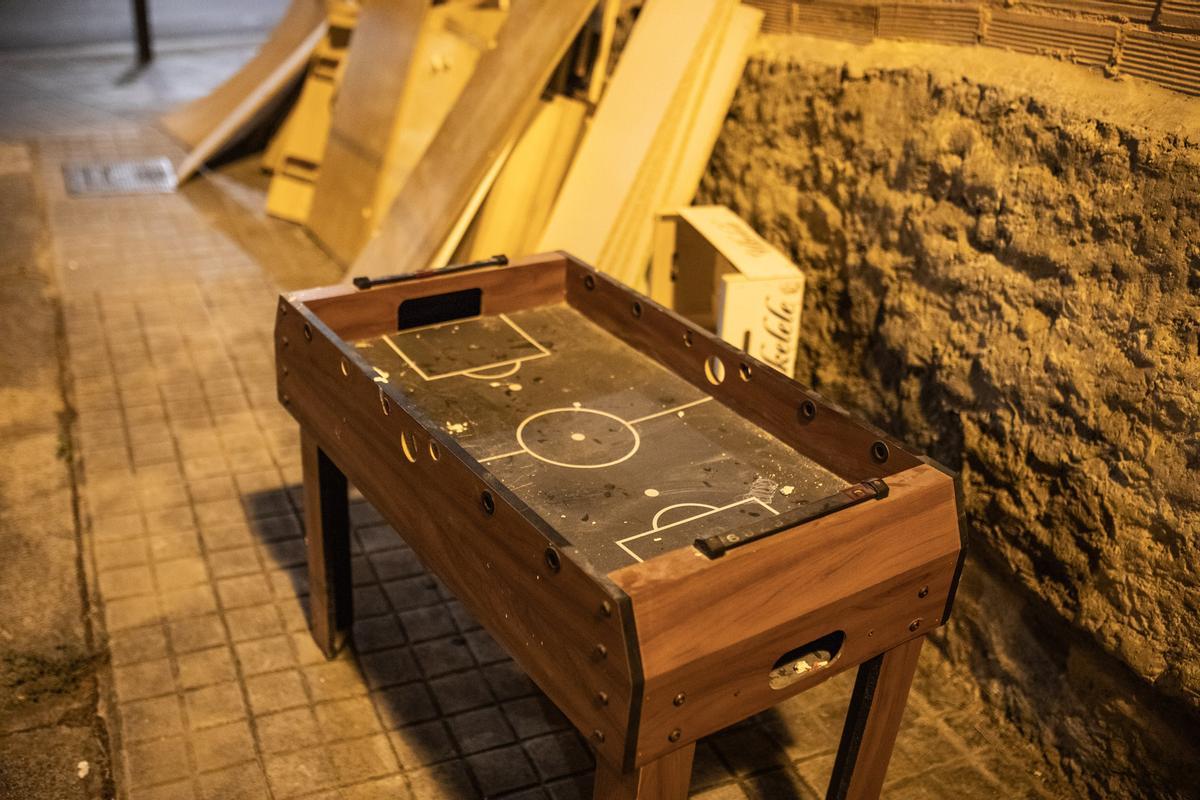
(417, 312)
(802, 661)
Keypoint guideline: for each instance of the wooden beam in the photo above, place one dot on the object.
(494, 108)
(368, 103)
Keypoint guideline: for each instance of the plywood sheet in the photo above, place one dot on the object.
(211, 123)
(635, 107)
(514, 214)
(497, 103)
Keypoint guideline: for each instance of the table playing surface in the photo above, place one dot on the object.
(625, 459)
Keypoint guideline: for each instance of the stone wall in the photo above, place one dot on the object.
(1004, 270)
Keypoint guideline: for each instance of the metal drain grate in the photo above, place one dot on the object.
(147, 176)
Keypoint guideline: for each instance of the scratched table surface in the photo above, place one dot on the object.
(625, 459)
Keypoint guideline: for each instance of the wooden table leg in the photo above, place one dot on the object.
(876, 708)
(327, 537)
(667, 778)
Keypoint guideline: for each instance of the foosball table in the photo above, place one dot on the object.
(667, 535)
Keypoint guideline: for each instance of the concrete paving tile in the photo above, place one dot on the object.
(284, 553)
(289, 582)
(507, 681)
(111, 528)
(370, 601)
(430, 622)
(206, 667)
(413, 592)
(223, 536)
(223, 746)
(401, 706)
(388, 667)
(181, 572)
(142, 680)
(157, 761)
(558, 754)
(245, 590)
(197, 633)
(379, 538)
(137, 644)
(576, 787)
(775, 783)
(270, 654)
(307, 652)
(287, 730)
(158, 497)
(423, 744)
(707, 767)
(217, 512)
(205, 490)
(178, 790)
(276, 691)
(748, 749)
(273, 529)
(390, 564)
(230, 563)
(243, 782)
(253, 622)
(465, 621)
(363, 759)
(728, 791)
(332, 680)
(390, 788)
(461, 691)
(377, 633)
(532, 716)
(117, 554)
(347, 719)
(169, 520)
(172, 545)
(481, 729)
(817, 770)
(300, 772)
(440, 656)
(214, 705)
(126, 582)
(449, 779)
(502, 770)
(155, 718)
(485, 649)
(294, 611)
(194, 601)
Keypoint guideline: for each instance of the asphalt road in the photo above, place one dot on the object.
(28, 24)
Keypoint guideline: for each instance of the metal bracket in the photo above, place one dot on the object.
(363, 282)
(871, 489)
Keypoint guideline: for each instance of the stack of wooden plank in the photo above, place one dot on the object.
(653, 131)
(473, 127)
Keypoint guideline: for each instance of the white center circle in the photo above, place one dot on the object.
(578, 438)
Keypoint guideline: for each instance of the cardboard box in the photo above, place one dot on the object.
(711, 267)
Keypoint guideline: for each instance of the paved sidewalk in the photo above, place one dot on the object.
(189, 480)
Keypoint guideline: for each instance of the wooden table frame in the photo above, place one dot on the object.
(610, 653)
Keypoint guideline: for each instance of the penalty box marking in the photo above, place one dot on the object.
(711, 510)
(472, 371)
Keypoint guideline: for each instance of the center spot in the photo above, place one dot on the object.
(579, 437)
